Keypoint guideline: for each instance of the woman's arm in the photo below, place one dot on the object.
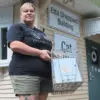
(23, 48)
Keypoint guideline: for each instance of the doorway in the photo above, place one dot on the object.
(3, 43)
(93, 66)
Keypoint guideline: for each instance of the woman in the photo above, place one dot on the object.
(30, 68)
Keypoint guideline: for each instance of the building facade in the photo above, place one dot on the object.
(54, 17)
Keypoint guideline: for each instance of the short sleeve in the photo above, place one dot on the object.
(14, 33)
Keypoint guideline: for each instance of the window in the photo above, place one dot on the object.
(3, 43)
(5, 52)
(6, 19)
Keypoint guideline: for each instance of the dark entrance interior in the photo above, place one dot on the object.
(3, 43)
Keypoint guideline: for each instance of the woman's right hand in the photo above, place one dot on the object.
(45, 55)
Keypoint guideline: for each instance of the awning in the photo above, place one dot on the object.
(91, 27)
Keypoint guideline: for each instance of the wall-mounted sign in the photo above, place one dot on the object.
(64, 20)
(67, 45)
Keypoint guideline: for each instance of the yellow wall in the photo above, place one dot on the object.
(16, 13)
(6, 90)
(82, 92)
(96, 2)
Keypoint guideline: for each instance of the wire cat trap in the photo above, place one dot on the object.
(66, 76)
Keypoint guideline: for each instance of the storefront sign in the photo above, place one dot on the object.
(64, 20)
(65, 44)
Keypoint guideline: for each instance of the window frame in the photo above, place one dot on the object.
(5, 63)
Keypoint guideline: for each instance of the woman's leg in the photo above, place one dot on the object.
(28, 97)
(26, 87)
(45, 88)
(43, 96)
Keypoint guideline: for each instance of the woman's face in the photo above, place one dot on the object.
(27, 14)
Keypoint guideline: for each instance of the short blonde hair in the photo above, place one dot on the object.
(27, 3)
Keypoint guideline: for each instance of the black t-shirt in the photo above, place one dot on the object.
(29, 65)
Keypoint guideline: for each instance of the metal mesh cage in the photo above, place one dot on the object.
(66, 75)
